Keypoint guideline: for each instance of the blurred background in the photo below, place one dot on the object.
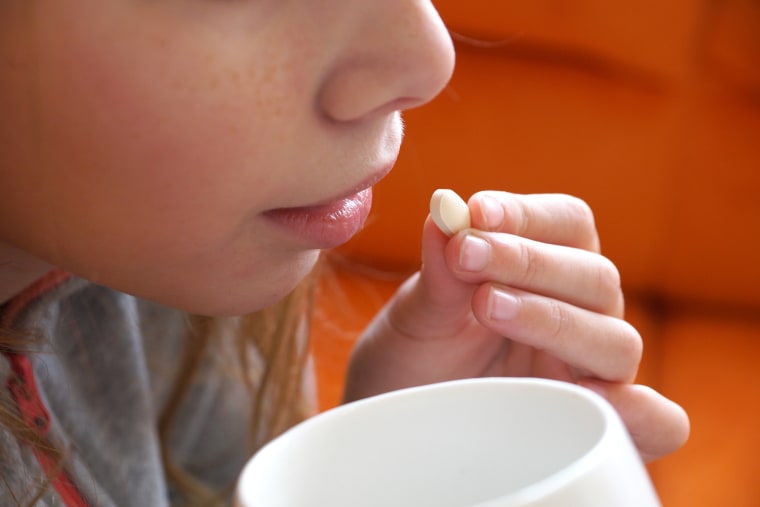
(648, 110)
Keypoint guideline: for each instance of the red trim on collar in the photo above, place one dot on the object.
(17, 304)
(23, 387)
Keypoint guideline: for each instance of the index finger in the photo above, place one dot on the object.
(558, 219)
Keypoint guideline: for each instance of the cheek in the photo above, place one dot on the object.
(162, 143)
(156, 163)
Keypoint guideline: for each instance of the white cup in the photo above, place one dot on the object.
(494, 442)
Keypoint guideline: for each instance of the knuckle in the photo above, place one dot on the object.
(581, 210)
(609, 285)
(524, 218)
(559, 323)
(582, 216)
(631, 347)
(531, 263)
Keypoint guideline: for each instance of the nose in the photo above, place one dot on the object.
(397, 55)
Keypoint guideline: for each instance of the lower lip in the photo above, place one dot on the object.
(327, 225)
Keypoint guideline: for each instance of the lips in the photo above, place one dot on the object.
(334, 221)
(325, 225)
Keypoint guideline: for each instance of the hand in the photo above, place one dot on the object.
(525, 292)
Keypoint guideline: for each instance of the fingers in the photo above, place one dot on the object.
(657, 425)
(592, 344)
(556, 296)
(541, 284)
(547, 244)
(575, 276)
(549, 218)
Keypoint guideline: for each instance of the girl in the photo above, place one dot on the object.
(169, 159)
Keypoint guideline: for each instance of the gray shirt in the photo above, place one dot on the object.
(103, 367)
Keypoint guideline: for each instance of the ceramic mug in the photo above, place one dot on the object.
(494, 442)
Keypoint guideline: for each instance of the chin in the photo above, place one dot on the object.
(250, 293)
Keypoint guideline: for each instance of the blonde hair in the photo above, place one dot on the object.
(277, 337)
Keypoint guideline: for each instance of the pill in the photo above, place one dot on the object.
(449, 211)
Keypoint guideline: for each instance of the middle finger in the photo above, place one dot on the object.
(579, 277)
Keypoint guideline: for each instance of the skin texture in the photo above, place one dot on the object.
(144, 144)
(145, 140)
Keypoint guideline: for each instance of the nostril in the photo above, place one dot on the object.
(346, 110)
(351, 94)
(400, 104)
(401, 58)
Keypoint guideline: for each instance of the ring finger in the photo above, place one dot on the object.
(606, 347)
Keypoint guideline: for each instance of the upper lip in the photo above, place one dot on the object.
(369, 181)
(362, 185)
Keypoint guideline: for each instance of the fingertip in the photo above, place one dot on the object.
(434, 241)
(681, 427)
(430, 229)
(673, 433)
(440, 250)
(659, 426)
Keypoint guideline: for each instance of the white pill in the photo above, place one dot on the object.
(449, 211)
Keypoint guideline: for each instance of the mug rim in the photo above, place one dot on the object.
(534, 491)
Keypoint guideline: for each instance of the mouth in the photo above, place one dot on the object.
(331, 222)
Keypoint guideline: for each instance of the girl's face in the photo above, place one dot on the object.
(201, 152)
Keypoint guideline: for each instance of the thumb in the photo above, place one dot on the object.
(434, 300)
(438, 283)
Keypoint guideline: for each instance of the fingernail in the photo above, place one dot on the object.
(474, 254)
(502, 305)
(492, 212)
